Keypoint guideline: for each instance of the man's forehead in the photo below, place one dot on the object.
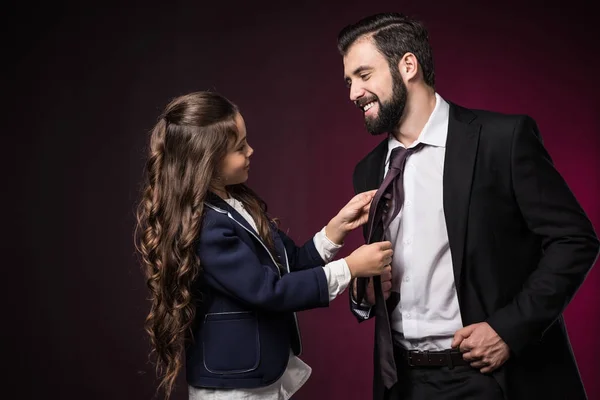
(361, 54)
(357, 47)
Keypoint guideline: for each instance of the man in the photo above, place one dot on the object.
(490, 245)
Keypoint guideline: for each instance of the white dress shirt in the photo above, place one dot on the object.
(297, 371)
(428, 313)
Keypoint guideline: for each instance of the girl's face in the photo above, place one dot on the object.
(236, 164)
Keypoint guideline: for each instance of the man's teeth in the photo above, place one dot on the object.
(368, 106)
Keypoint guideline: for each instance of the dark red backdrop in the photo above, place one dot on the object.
(89, 82)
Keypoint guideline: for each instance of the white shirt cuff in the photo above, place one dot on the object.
(326, 248)
(338, 277)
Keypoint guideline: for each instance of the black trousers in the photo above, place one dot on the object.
(442, 383)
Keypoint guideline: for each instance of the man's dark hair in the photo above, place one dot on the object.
(394, 35)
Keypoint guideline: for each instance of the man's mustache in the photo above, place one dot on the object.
(363, 102)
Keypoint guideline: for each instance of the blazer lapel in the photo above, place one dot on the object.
(459, 165)
(222, 204)
(215, 201)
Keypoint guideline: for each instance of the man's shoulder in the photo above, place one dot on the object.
(374, 155)
(486, 118)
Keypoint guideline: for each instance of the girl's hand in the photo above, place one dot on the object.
(350, 217)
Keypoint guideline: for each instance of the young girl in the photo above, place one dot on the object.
(225, 283)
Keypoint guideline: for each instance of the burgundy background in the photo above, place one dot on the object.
(85, 84)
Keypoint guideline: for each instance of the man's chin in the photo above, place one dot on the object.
(372, 127)
(376, 133)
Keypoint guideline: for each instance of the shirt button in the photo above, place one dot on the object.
(407, 241)
(407, 203)
(407, 315)
(407, 279)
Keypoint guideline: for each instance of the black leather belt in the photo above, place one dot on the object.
(443, 358)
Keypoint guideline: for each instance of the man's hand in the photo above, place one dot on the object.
(482, 347)
(386, 286)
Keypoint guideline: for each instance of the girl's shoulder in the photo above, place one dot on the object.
(215, 216)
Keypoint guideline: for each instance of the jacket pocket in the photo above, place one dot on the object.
(230, 342)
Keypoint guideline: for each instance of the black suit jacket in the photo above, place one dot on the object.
(521, 245)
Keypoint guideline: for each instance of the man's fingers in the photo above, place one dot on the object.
(466, 347)
(488, 369)
(458, 339)
(470, 357)
(479, 364)
(462, 334)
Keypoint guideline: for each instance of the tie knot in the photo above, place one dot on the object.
(400, 154)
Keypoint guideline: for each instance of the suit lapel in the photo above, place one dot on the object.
(370, 173)
(459, 165)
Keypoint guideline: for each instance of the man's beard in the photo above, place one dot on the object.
(391, 111)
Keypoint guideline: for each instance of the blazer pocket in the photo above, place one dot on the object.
(230, 342)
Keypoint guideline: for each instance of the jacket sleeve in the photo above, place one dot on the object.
(303, 257)
(570, 245)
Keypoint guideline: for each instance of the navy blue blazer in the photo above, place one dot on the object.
(245, 320)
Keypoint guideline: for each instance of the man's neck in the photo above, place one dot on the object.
(419, 107)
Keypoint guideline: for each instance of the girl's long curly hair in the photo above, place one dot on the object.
(187, 146)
